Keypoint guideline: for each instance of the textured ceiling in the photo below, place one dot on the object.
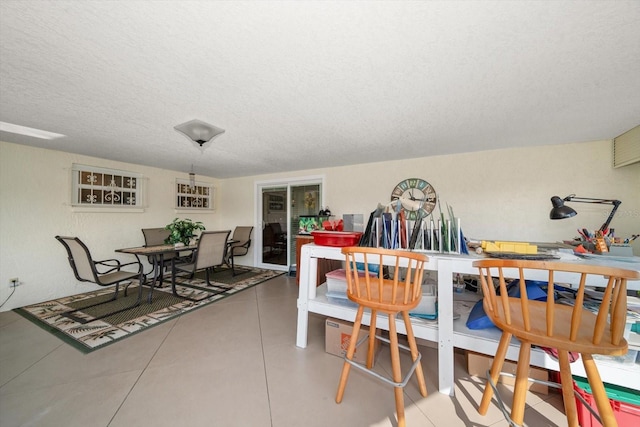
(302, 85)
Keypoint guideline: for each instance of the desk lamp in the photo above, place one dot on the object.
(560, 211)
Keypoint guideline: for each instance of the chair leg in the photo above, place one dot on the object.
(219, 289)
(414, 353)
(233, 267)
(161, 268)
(70, 315)
(598, 391)
(173, 278)
(567, 389)
(143, 282)
(372, 339)
(350, 351)
(522, 382)
(395, 369)
(496, 367)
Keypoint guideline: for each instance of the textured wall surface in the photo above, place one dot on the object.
(499, 195)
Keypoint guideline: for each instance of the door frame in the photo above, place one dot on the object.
(258, 223)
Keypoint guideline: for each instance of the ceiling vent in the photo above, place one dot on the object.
(626, 148)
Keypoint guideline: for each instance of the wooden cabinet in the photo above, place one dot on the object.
(324, 265)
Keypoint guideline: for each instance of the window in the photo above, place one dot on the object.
(197, 198)
(100, 187)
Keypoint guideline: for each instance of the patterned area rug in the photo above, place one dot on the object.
(94, 334)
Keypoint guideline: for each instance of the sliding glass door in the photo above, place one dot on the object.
(281, 205)
(274, 226)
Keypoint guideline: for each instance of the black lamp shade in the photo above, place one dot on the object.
(559, 210)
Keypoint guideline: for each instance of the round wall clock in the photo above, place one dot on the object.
(417, 196)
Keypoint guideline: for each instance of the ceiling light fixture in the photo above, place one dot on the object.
(199, 131)
(27, 131)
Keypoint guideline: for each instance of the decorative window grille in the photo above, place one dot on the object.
(100, 187)
(198, 197)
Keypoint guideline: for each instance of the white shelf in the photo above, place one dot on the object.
(485, 341)
(446, 332)
(346, 310)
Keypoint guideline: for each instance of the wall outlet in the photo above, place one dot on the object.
(14, 282)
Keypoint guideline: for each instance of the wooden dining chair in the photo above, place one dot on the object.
(555, 325)
(397, 294)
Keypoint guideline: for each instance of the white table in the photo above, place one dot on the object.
(446, 332)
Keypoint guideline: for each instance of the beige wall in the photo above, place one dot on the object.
(35, 207)
(500, 194)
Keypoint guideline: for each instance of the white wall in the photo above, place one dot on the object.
(500, 194)
(35, 207)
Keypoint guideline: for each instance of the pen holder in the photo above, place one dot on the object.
(621, 250)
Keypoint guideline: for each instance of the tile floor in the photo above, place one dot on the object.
(233, 363)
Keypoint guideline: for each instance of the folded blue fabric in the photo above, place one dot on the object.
(373, 268)
(478, 319)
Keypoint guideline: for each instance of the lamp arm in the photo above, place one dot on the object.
(616, 204)
(573, 198)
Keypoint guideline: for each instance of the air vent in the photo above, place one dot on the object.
(626, 148)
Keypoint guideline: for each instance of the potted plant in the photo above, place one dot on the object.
(182, 231)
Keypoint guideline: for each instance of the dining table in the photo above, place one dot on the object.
(156, 253)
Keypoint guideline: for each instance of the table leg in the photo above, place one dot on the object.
(308, 275)
(157, 273)
(445, 328)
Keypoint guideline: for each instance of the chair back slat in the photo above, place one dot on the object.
(211, 249)
(550, 306)
(619, 315)
(601, 319)
(559, 321)
(524, 302)
(577, 309)
(401, 290)
(489, 303)
(504, 296)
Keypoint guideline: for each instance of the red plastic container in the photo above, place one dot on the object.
(336, 238)
(626, 414)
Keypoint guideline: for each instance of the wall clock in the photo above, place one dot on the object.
(417, 196)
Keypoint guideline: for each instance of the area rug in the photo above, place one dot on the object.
(96, 334)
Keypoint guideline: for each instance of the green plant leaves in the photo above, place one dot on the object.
(183, 230)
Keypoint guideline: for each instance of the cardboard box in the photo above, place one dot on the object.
(338, 336)
(478, 364)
